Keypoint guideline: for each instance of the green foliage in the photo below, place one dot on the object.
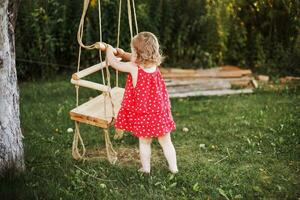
(237, 147)
(260, 34)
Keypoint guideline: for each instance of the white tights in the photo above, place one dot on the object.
(168, 149)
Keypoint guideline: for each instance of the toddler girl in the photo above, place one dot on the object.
(145, 110)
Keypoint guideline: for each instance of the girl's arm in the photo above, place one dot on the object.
(124, 55)
(115, 63)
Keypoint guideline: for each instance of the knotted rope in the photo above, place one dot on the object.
(111, 153)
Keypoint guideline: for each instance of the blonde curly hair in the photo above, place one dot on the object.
(145, 48)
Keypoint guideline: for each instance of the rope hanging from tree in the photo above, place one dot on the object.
(111, 153)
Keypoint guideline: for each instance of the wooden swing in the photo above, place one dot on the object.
(101, 110)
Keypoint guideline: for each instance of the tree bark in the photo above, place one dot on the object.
(11, 147)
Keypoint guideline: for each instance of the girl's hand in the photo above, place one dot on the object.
(116, 63)
(110, 49)
(120, 52)
(110, 52)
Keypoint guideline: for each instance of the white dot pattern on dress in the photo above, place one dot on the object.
(146, 108)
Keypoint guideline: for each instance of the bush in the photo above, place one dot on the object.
(258, 34)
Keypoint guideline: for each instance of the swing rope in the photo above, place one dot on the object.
(129, 17)
(135, 20)
(118, 38)
(100, 38)
(111, 153)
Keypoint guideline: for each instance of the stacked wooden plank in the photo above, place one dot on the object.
(224, 80)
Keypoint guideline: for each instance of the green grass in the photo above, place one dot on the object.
(251, 150)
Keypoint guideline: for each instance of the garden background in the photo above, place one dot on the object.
(259, 34)
(229, 147)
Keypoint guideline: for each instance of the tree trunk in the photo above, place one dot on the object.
(11, 147)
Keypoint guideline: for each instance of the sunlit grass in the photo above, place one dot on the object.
(237, 147)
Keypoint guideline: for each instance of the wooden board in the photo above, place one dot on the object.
(175, 70)
(208, 74)
(193, 81)
(90, 84)
(88, 71)
(229, 68)
(211, 93)
(221, 72)
(200, 86)
(98, 111)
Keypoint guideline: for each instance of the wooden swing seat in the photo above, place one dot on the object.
(101, 110)
(93, 111)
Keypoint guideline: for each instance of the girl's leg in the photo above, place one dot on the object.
(169, 151)
(145, 153)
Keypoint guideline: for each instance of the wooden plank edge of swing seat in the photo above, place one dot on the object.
(91, 85)
(83, 115)
(90, 120)
(88, 71)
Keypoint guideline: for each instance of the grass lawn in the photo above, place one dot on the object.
(237, 147)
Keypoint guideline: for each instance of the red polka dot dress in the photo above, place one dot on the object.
(146, 110)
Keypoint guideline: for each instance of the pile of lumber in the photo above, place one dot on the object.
(224, 80)
(289, 79)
